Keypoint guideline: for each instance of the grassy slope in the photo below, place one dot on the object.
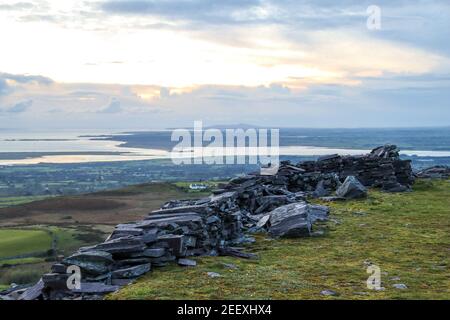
(74, 221)
(14, 201)
(15, 242)
(406, 235)
(107, 207)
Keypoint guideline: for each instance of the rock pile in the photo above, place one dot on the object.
(436, 172)
(218, 224)
(380, 168)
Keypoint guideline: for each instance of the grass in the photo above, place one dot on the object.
(20, 261)
(35, 241)
(26, 274)
(14, 242)
(15, 201)
(406, 235)
(3, 287)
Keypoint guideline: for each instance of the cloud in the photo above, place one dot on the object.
(24, 78)
(12, 82)
(20, 107)
(16, 6)
(113, 107)
(195, 10)
(4, 88)
(289, 62)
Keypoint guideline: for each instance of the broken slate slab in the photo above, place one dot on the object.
(154, 252)
(132, 272)
(55, 281)
(233, 252)
(95, 288)
(351, 189)
(33, 292)
(187, 262)
(328, 293)
(121, 246)
(318, 213)
(229, 265)
(400, 286)
(132, 262)
(59, 268)
(291, 220)
(263, 221)
(214, 274)
(95, 262)
(174, 242)
(332, 199)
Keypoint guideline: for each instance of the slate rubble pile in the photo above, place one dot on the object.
(221, 223)
(436, 172)
(382, 168)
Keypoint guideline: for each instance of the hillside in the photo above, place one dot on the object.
(405, 234)
(32, 233)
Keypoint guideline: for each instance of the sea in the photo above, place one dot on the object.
(29, 147)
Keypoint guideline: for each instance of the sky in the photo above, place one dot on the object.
(152, 64)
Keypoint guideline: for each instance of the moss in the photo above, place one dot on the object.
(406, 235)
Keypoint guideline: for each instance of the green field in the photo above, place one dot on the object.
(34, 242)
(406, 235)
(14, 201)
(14, 242)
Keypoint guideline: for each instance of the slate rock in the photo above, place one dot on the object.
(187, 262)
(55, 281)
(33, 292)
(331, 199)
(174, 242)
(59, 268)
(121, 246)
(328, 293)
(263, 221)
(132, 272)
(132, 262)
(320, 190)
(400, 286)
(351, 189)
(95, 288)
(95, 262)
(213, 274)
(318, 213)
(154, 252)
(435, 172)
(291, 220)
(122, 282)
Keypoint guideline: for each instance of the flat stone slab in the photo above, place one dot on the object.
(198, 209)
(187, 262)
(121, 245)
(154, 252)
(174, 242)
(95, 287)
(33, 292)
(291, 220)
(96, 262)
(351, 189)
(132, 272)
